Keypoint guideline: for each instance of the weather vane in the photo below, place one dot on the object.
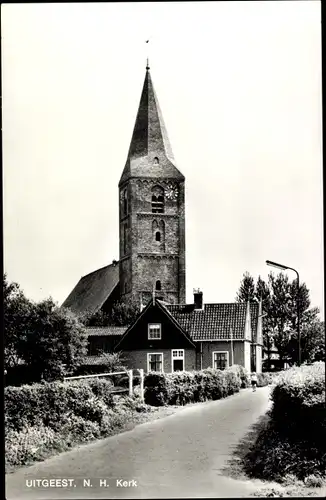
(147, 61)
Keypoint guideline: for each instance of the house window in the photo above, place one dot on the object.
(178, 357)
(158, 236)
(158, 285)
(154, 331)
(155, 362)
(220, 360)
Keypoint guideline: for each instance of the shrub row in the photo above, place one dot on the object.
(46, 403)
(180, 388)
(293, 439)
(55, 416)
(299, 403)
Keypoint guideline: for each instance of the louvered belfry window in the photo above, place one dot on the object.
(157, 200)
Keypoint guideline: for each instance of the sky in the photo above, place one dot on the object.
(239, 85)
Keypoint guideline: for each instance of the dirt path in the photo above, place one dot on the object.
(183, 455)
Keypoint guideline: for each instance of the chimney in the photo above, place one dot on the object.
(198, 299)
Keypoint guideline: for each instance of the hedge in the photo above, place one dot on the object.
(180, 388)
(293, 439)
(46, 403)
(299, 403)
(42, 418)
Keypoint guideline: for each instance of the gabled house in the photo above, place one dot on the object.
(169, 337)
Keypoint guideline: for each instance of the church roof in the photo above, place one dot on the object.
(214, 321)
(93, 290)
(150, 153)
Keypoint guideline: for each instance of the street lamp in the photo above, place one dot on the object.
(281, 266)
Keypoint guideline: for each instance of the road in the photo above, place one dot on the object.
(180, 456)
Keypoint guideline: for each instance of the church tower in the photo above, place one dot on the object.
(151, 211)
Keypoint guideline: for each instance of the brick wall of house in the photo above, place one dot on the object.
(138, 359)
(209, 347)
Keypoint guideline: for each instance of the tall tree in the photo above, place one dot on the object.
(312, 338)
(280, 300)
(247, 289)
(16, 316)
(49, 340)
(55, 342)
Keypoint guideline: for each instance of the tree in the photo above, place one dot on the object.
(122, 313)
(247, 289)
(55, 342)
(16, 314)
(49, 340)
(312, 338)
(279, 303)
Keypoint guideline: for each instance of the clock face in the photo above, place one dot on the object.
(172, 193)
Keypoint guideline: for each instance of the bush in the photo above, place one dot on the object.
(47, 403)
(76, 429)
(55, 416)
(299, 403)
(26, 444)
(293, 441)
(180, 388)
(243, 374)
(264, 379)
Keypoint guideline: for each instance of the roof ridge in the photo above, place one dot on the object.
(212, 304)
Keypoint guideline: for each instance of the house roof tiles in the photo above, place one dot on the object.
(111, 331)
(214, 321)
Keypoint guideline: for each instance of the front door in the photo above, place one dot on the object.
(178, 358)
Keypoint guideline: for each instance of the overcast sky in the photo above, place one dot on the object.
(239, 85)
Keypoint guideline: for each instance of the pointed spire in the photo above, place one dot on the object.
(150, 146)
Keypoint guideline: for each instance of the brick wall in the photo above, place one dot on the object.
(209, 347)
(138, 359)
(145, 259)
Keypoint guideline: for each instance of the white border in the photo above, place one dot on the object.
(150, 324)
(221, 352)
(183, 359)
(148, 355)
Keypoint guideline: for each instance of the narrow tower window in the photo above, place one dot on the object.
(125, 202)
(125, 235)
(158, 236)
(158, 285)
(156, 162)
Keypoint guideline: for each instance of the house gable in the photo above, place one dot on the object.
(172, 335)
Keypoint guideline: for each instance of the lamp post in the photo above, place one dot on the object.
(281, 266)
